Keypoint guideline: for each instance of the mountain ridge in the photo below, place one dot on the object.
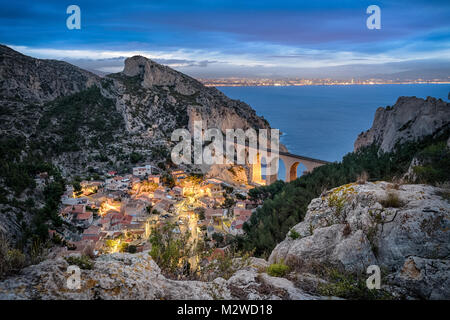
(152, 99)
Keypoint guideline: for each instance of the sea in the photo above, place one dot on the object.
(323, 121)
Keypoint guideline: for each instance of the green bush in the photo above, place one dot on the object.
(391, 201)
(124, 247)
(136, 157)
(435, 164)
(277, 269)
(294, 234)
(348, 286)
(337, 202)
(16, 259)
(169, 250)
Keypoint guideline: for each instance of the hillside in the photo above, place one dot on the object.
(401, 228)
(386, 203)
(60, 119)
(66, 110)
(424, 159)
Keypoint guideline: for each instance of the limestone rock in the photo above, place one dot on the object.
(427, 278)
(409, 119)
(136, 276)
(23, 78)
(349, 228)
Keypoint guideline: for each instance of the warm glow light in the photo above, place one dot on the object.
(105, 207)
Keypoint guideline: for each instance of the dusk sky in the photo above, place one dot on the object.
(237, 38)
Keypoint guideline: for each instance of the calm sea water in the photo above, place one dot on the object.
(323, 121)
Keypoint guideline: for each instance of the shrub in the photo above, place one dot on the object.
(435, 161)
(136, 157)
(349, 286)
(16, 259)
(362, 177)
(218, 237)
(124, 247)
(76, 186)
(426, 174)
(392, 201)
(132, 249)
(11, 260)
(337, 202)
(278, 269)
(226, 264)
(294, 234)
(347, 230)
(84, 262)
(169, 250)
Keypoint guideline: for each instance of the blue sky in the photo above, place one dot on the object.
(217, 38)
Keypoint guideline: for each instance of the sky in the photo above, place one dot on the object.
(238, 38)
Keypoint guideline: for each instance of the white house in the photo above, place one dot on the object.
(142, 171)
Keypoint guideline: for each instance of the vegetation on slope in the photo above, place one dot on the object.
(84, 119)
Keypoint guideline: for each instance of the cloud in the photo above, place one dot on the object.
(253, 36)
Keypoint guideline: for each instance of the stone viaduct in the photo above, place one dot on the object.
(290, 161)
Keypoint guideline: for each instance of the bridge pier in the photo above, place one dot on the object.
(255, 169)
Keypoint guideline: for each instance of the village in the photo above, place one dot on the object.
(119, 212)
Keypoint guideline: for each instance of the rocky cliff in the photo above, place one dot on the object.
(404, 229)
(30, 80)
(54, 112)
(409, 119)
(136, 276)
(155, 99)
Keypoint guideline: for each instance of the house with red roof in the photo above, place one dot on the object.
(91, 233)
(84, 219)
(236, 227)
(242, 214)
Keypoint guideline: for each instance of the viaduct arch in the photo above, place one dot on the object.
(291, 162)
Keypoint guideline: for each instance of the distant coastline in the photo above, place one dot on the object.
(321, 121)
(301, 83)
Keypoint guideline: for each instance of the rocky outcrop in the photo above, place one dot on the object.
(136, 276)
(31, 80)
(152, 99)
(154, 74)
(157, 99)
(409, 119)
(405, 230)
